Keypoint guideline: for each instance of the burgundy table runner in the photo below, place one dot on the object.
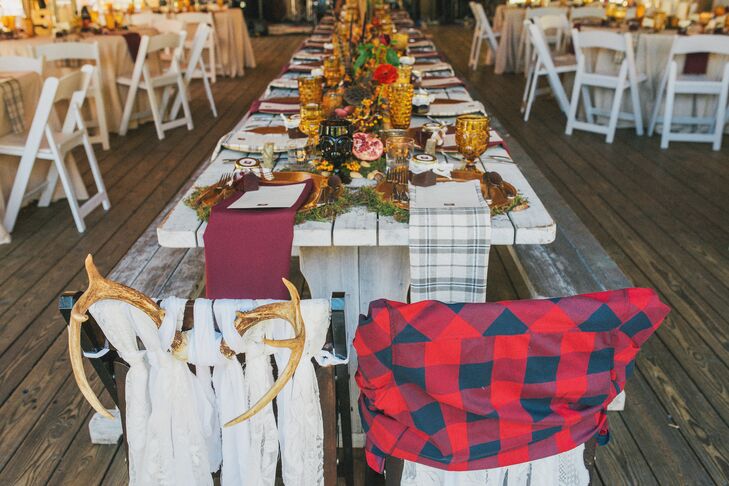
(248, 251)
(133, 40)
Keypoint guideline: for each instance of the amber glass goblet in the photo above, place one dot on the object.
(311, 89)
(311, 118)
(401, 104)
(472, 137)
(332, 71)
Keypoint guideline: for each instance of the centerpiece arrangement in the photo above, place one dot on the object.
(355, 116)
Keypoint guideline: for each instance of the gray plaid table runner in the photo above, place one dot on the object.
(12, 97)
(449, 246)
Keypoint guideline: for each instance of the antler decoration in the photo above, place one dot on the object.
(102, 289)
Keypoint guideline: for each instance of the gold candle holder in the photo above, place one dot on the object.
(331, 101)
(472, 137)
(311, 89)
(401, 104)
(399, 151)
(659, 20)
(332, 71)
(311, 117)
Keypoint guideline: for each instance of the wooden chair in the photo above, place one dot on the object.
(45, 141)
(674, 83)
(20, 64)
(545, 64)
(333, 381)
(84, 51)
(196, 67)
(211, 42)
(169, 80)
(482, 31)
(627, 78)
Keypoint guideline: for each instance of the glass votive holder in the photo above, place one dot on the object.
(399, 151)
(311, 89)
(401, 104)
(311, 117)
(331, 101)
(332, 71)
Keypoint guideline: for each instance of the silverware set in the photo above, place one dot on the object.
(398, 177)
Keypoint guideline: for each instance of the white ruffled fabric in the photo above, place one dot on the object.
(174, 416)
(565, 469)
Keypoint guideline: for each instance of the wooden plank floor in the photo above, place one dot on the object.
(663, 216)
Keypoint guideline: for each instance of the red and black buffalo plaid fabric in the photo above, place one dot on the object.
(478, 386)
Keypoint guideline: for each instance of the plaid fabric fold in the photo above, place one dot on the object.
(12, 96)
(478, 386)
(449, 249)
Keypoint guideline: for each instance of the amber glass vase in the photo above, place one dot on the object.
(311, 89)
(401, 104)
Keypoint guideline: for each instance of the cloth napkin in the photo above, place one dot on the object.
(302, 67)
(448, 82)
(696, 63)
(263, 106)
(12, 96)
(449, 245)
(248, 251)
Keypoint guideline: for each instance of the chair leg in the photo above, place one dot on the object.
(573, 104)
(209, 92)
(637, 109)
(156, 115)
(101, 116)
(477, 56)
(532, 93)
(213, 65)
(128, 106)
(68, 189)
(471, 64)
(615, 110)
(96, 172)
(668, 112)
(587, 103)
(721, 115)
(20, 184)
(185, 103)
(50, 189)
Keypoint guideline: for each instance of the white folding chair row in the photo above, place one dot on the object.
(196, 68)
(83, 51)
(206, 18)
(585, 78)
(482, 31)
(525, 47)
(169, 80)
(21, 64)
(545, 65)
(45, 141)
(675, 83)
(587, 13)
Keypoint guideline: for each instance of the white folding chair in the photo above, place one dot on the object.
(84, 51)
(198, 18)
(525, 47)
(675, 83)
(170, 79)
(196, 67)
(21, 64)
(44, 141)
(482, 31)
(627, 78)
(587, 13)
(556, 30)
(545, 65)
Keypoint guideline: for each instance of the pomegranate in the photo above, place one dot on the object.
(367, 146)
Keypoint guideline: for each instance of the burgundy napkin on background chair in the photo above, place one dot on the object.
(248, 251)
(696, 63)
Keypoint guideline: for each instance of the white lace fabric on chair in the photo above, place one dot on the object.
(564, 469)
(174, 416)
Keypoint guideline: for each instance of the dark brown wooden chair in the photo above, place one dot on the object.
(333, 382)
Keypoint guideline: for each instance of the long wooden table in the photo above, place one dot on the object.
(364, 254)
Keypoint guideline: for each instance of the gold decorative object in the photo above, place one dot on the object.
(103, 289)
(659, 20)
(401, 105)
(332, 71)
(400, 41)
(311, 117)
(311, 89)
(404, 73)
(472, 137)
(332, 100)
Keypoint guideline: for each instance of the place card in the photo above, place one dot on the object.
(448, 195)
(267, 197)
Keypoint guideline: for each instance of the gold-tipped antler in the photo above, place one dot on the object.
(290, 312)
(101, 288)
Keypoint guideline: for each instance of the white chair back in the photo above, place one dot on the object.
(196, 67)
(533, 13)
(557, 27)
(587, 13)
(20, 64)
(598, 39)
(482, 31)
(85, 51)
(144, 18)
(165, 25)
(196, 18)
(688, 44)
(544, 59)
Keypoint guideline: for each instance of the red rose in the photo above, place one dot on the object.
(385, 74)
